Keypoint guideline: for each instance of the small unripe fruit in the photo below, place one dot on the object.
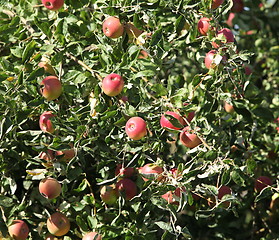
(112, 27)
(126, 187)
(18, 230)
(112, 84)
(45, 122)
(136, 128)
(189, 139)
(50, 188)
(51, 88)
(58, 224)
(166, 123)
(53, 4)
(92, 236)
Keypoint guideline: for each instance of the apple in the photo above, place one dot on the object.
(112, 84)
(216, 3)
(247, 70)
(209, 57)
(112, 27)
(45, 122)
(47, 67)
(165, 123)
(109, 194)
(143, 54)
(230, 19)
(169, 196)
(124, 172)
(51, 237)
(53, 4)
(92, 236)
(47, 156)
(127, 187)
(132, 31)
(204, 25)
(228, 35)
(228, 107)
(136, 128)
(189, 139)
(18, 230)
(51, 88)
(262, 182)
(151, 170)
(50, 188)
(222, 191)
(238, 6)
(58, 224)
(66, 155)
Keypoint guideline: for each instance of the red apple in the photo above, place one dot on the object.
(51, 237)
(109, 194)
(152, 171)
(58, 224)
(248, 70)
(51, 88)
(222, 191)
(143, 54)
(210, 58)
(66, 155)
(228, 35)
(124, 172)
(47, 67)
(127, 187)
(112, 27)
(136, 128)
(189, 139)
(238, 6)
(50, 188)
(262, 182)
(112, 84)
(53, 4)
(132, 31)
(47, 156)
(216, 3)
(228, 107)
(204, 25)
(169, 196)
(230, 19)
(45, 122)
(165, 123)
(18, 230)
(92, 236)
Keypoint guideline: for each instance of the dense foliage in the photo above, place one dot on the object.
(237, 147)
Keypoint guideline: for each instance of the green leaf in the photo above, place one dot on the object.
(28, 51)
(237, 178)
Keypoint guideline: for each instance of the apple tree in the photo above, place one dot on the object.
(139, 119)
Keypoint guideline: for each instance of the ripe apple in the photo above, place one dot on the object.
(165, 123)
(92, 236)
(262, 182)
(204, 25)
(47, 156)
(136, 128)
(230, 19)
(112, 27)
(132, 31)
(143, 54)
(47, 67)
(222, 191)
(50, 188)
(209, 57)
(228, 107)
(18, 230)
(51, 88)
(238, 6)
(58, 224)
(53, 4)
(228, 35)
(216, 3)
(112, 84)
(66, 155)
(169, 196)
(127, 187)
(151, 170)
(124, 172)
(189, 139)
(109, 194)
(45, 122)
